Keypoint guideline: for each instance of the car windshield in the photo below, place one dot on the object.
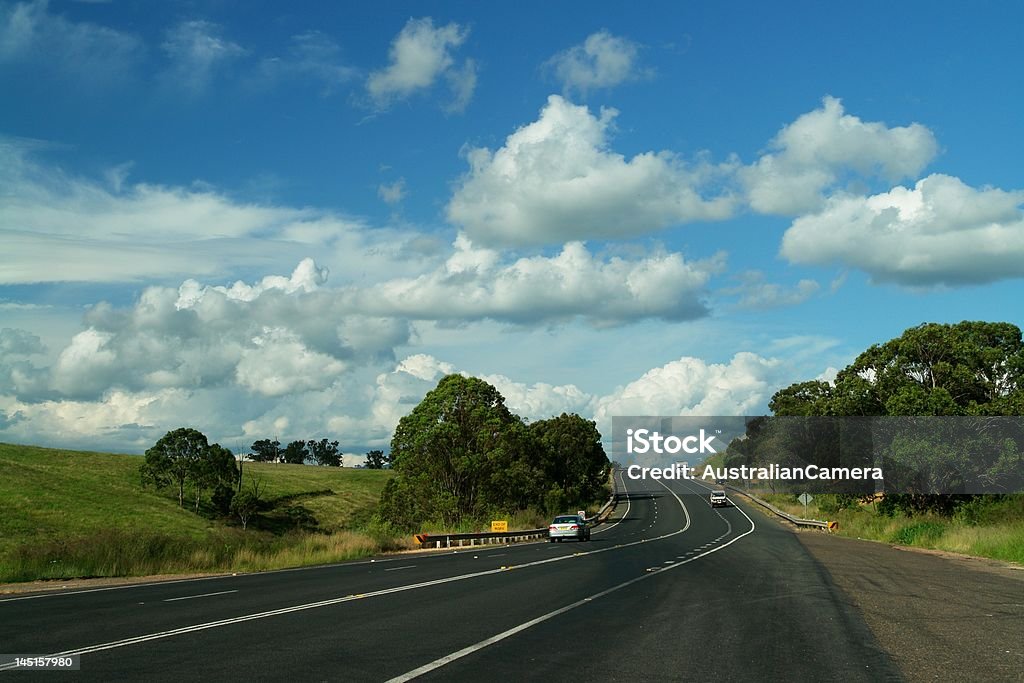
(569, 519)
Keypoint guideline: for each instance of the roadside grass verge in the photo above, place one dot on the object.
(987, 527)
(74, 514)
(119, 552)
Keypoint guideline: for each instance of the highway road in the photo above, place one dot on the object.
(671, 589)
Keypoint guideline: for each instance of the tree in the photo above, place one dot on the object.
(216, 470)
(375, 460)
(266, 450)
(325, 452)
(247, 502)
(295, 453)
(965, 369)
(573, 459)
(174, 459)
(458, 454)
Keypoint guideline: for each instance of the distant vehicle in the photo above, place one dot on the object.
(720, 482)
(718, 499)
(568, 526)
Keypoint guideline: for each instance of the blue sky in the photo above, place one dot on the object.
(262, 221)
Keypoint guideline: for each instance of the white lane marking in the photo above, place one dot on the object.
(624, 514)
(395, 569)
(335, 601)
(204, 595)
(447, 659)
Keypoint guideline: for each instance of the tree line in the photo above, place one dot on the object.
(462, 455)
(323, 452)
(970, 370)
(184, 459)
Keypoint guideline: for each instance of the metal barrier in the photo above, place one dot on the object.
(501, 537)
(785, 515)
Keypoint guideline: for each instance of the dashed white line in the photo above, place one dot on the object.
(395, 569)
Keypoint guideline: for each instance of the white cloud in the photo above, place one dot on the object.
(197, 51)
(279, 336)
(99, 233)
(392, 193)
(602, 61)
(555, 180)
(19, 342)
(281, 364)
(756, 293)
(691, 386)
(819, 149)
(540, 400)
(30, 33)
(419, 55)
(474, 285)
(941, 231)
(462, 83)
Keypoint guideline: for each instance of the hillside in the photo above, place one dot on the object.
(59, 504)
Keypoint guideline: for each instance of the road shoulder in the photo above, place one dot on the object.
(941, 616)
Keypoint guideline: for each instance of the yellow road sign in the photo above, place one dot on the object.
(499, 525)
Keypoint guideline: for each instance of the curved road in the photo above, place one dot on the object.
(671, 589)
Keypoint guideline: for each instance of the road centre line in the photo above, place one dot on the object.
(396, 569)
(447, 659)
(348, 598)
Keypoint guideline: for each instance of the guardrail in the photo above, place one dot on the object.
(501, 537)
(785, 515)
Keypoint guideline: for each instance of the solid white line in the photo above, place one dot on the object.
(395, 569)
(447, 659)
(204, 595)
(624, 514)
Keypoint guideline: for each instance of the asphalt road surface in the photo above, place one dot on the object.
(671, 589)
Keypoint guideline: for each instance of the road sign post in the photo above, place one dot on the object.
(805, 498)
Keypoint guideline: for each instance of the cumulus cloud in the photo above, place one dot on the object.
(601, 61)
(419, 55)
(278, 336)
(556, 180)
(16, 342)
(819, 150)
(279, 363)
(691, 386)
(196, 51)
(940, 232)
(540, 400)
(30, 33)
(474, 285)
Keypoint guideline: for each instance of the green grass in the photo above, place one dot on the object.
(71, 514)
(986, 527)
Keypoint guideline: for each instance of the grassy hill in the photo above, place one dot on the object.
(74, 513)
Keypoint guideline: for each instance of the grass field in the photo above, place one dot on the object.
(71, 513)
(987, 527)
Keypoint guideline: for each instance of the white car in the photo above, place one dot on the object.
(568, 526)
(718, 499)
